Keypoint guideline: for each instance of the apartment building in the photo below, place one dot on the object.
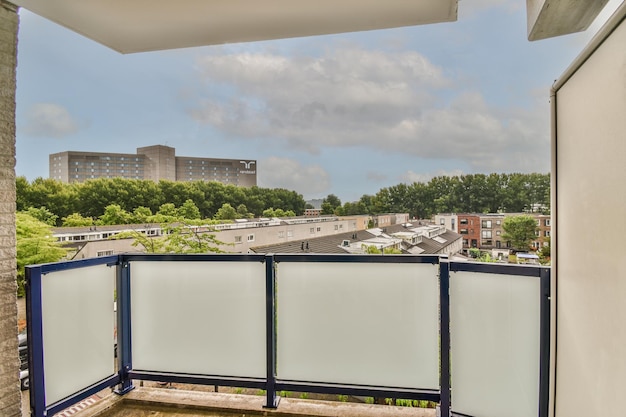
(154, 163)
(484, 231)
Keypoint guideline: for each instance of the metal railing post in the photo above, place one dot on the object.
(35, 342)
(270, 326)
(124, 354)
(544, 355)
(444, 326)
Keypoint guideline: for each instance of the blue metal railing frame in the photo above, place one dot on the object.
(34, 317)
(122, 380)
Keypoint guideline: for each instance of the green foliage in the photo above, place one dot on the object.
(141, 214)
(373, 250)
(369, 400)
(90, 198)
(35, 245)
(520, 231)
(271, 212)
(242, 212)
(304, 396)
(474, 193)
(43, 215)
(76, 220)
(188, 210)
(545, 253)
(177, 238)
(226, 212)
(474, 252)
(114, 214)
(330, 204)
(342, 398)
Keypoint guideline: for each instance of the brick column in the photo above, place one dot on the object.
(10, 398)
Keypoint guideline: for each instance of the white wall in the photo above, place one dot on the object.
(590, 190)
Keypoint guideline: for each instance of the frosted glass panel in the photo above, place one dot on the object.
(199, 317)
(78, 329)
(494, 332)
(369, 324)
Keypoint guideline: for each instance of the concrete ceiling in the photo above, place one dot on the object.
(145, 25)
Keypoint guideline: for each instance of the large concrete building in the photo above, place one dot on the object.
(154, 163)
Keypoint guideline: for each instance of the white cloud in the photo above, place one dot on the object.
(352, 97)
(50, 120)
(288, 173)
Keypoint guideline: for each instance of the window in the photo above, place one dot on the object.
(289, 233)
(486, 224)
(312, 230)
(250, 238)
(104, 253)
(547, 222)
(237, 239)
(442, 221)
(463, 231)
(486, 234)
(463, 221)
(498, 222)
(546, 233)
(465, 242)
(281, 234)
(336, 227)
(537, 234)
(538, 222)
(498, 232)
(319, 229)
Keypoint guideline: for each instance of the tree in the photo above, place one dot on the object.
(226, 212)
(520, 231)
(330, 203)
(43, 215)
(373, 250)
(242, 212)
(189, 210)
(35, 245)
(141, 214)
(114, 214)
(177, 238)
(545, 252)
(76, 220)
(271, 212)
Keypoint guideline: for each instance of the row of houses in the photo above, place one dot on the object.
(239, 236)
(484, 231)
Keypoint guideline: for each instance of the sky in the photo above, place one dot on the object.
(343, 114)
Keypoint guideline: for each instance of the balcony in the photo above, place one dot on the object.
(473, 338)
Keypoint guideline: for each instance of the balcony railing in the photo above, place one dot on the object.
(472, 337)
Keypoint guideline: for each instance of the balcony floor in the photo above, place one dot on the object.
(156, 402)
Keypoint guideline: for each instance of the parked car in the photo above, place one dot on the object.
(23, 351)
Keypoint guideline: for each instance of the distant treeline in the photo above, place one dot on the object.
(90, 198)
(474, 193)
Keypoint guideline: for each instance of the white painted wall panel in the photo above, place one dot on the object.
(590, 170)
